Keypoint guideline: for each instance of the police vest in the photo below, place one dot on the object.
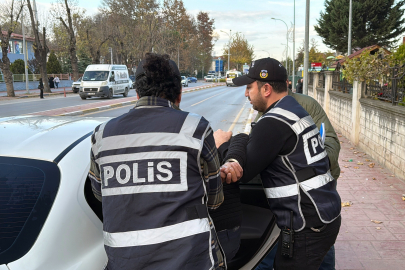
(153, 194)
(306, 168)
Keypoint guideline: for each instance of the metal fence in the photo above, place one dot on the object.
(321, 81)
(35, 77)
(390, 86)
(339, 83)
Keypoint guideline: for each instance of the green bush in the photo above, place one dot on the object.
(53, 66)
(17, 67)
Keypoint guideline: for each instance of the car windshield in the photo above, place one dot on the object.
(95, 75)
(183, 77)
(27, 191)
(79, 80)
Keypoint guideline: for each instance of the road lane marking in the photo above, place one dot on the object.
(208, 98)
(101, 111)
(237, 117)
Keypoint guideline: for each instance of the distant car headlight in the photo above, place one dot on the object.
(104, 83)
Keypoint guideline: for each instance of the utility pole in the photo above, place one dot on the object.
(293, 73)
(286, 53)
(24, 51)
(229, 46)
(306, 61)
(110, 49)
(349, 45)
(35, 14)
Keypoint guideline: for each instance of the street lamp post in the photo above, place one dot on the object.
(293, 77)
(306, 60)
(349, 45)
(287, 39)
(287, 62)
(229, 44)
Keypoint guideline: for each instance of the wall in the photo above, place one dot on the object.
(380, 130)
(340, 112)
(382, 133)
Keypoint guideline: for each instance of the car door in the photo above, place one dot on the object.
(259, 231)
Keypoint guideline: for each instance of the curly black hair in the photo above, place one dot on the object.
(159, 79)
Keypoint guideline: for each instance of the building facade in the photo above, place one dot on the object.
(16, 48)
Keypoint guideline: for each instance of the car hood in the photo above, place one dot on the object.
(42, 137)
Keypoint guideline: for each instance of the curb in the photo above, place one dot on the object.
(37, 95)
(121, 104)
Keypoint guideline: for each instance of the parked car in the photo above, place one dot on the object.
(132, 77)
(76, 85)
(192, 79)
(50, 217)
(184, 81)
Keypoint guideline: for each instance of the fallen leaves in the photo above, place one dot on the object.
(368, 160)
(371, 165)
(342, 172)
(376, 221)
(351, 148)
(378, 228)
(356, 167)
(360, 163)
(374, 178)
(346, 166)
(403, 197)
(346, 204)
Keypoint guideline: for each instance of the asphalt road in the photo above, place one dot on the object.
(32, 105)
(226, 108)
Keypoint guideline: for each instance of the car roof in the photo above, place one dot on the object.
(43, 137)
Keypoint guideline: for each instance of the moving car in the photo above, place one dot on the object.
(76, 85)
(132, 77)
(192, 79)
(50, 217)
(210, 78)
(231, 75)
(184, 81)
(104, 81)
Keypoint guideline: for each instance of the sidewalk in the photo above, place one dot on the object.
(372, 235)
(34, 93)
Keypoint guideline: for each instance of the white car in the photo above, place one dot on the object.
(76, 85)
(50, 219)
(184, 81)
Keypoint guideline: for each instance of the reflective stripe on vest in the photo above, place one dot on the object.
(157, 235)
(293, 190)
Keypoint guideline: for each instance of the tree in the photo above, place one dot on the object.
(205, 30)
(40, 48)
(17, 67)
(241, 51)
(11, 12)
(374, 22)
(69, 28)
(53, 66)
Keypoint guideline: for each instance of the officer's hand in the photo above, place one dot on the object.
(221, 137)
(231, 172)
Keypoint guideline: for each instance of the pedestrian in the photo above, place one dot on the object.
(57, 81)
(157, 172)
(289, 85)
(41, 88)
(299, 86)
(51, 84)
(285, 148)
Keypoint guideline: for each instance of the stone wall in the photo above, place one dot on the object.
(340, 112)
(382, 133)
(310, 90)
(320, 93)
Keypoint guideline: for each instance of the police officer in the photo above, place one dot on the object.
(156, 171)
(286, 149)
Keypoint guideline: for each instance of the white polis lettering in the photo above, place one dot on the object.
(136, 179)
(127, 174)
(108, 173)
(314, 142)
(151, 175)
(166, 171)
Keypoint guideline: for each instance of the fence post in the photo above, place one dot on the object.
(356, 110)
(315, 84)
(394, 85)
(328, 86)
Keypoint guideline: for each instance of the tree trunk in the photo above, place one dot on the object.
(5, 68)
(43, 52)
(73, 60)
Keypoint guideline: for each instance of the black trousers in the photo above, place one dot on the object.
(309, 248)
(41, 93)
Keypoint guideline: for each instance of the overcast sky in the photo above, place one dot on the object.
(251, 18)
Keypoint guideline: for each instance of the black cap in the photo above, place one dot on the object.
(140, 71)
(264, 70)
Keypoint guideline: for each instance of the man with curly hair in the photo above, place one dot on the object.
(156, 171)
